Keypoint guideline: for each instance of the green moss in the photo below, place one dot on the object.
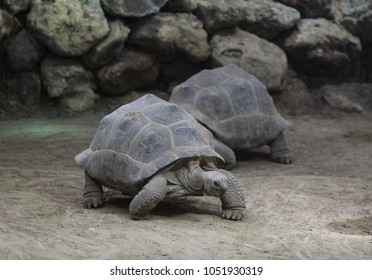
(37, 130)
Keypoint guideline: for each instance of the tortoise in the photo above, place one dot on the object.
(151, 149)
(237, 108)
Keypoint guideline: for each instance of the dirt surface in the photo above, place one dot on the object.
(320, 207)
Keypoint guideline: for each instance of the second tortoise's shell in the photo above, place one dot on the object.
(233, 104)
(138, 139)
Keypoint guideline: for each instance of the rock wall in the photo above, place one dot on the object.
(74, 52)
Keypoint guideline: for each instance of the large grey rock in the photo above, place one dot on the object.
(356, 17)
(26, 87)
(110, 48)
(257, 56)
(312, 8)
(166, 35)
(24, 52)
(130, 8)
(69, 82)
(79, 99)
(133, 69)
(268, 19)
(220, 14)
(16, 6)
(262, 17)
(68, 28)
(6, 24)
(347, 97)
(321, 48)
(295, 98)
(61, 76)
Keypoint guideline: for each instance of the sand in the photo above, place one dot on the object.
(319, 207)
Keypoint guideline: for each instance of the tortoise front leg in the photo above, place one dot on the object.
(233, 201)
(150, 195)
(279, 150)
(93, 193)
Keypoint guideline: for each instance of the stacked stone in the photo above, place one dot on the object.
(78, 50)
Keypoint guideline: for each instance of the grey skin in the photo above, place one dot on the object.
(279, 151)
(237, 108)
(180, 180)
(151, 149)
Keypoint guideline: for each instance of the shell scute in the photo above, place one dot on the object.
(150, 143)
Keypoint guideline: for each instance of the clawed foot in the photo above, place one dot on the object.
(233, 214)
(284, 157)
(93, 201)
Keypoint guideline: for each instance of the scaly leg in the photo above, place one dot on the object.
(226, 152)
(93, 193)
(279, 150)
(233, 200)
(146, 200)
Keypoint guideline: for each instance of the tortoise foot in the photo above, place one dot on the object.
(232, 214)
(284, 157)
(93, 201)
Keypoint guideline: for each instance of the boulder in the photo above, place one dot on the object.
(343, 103)
(6, 24)
(257, 56)
(220, 14)
(295, 97)
(356, 17)
(318, 47)
(130, 8)
(168, 35)
(108, 49)
(79, 99)
(132, 70)
(25, 87)
(68, 28)
(62, 76)
(24, 52)
(262, 17)
(268, 19)
(346, 97)
(16, 6)
(312, 8)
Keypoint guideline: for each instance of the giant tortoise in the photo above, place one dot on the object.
(237, 108)
(152, 149)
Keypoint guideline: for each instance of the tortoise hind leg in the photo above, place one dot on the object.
(93, 193)
(226, 152)
(150, 195)
(279, 150)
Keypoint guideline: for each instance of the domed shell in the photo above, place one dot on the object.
(140, 138)
(233, 104)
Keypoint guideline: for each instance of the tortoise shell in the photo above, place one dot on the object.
(233, 104)
(141, 138)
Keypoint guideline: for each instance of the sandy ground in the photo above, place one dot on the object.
(320, 207)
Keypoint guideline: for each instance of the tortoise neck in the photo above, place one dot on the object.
(191, 177)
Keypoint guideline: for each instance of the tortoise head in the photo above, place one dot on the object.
(200, 180)
(215, 183)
